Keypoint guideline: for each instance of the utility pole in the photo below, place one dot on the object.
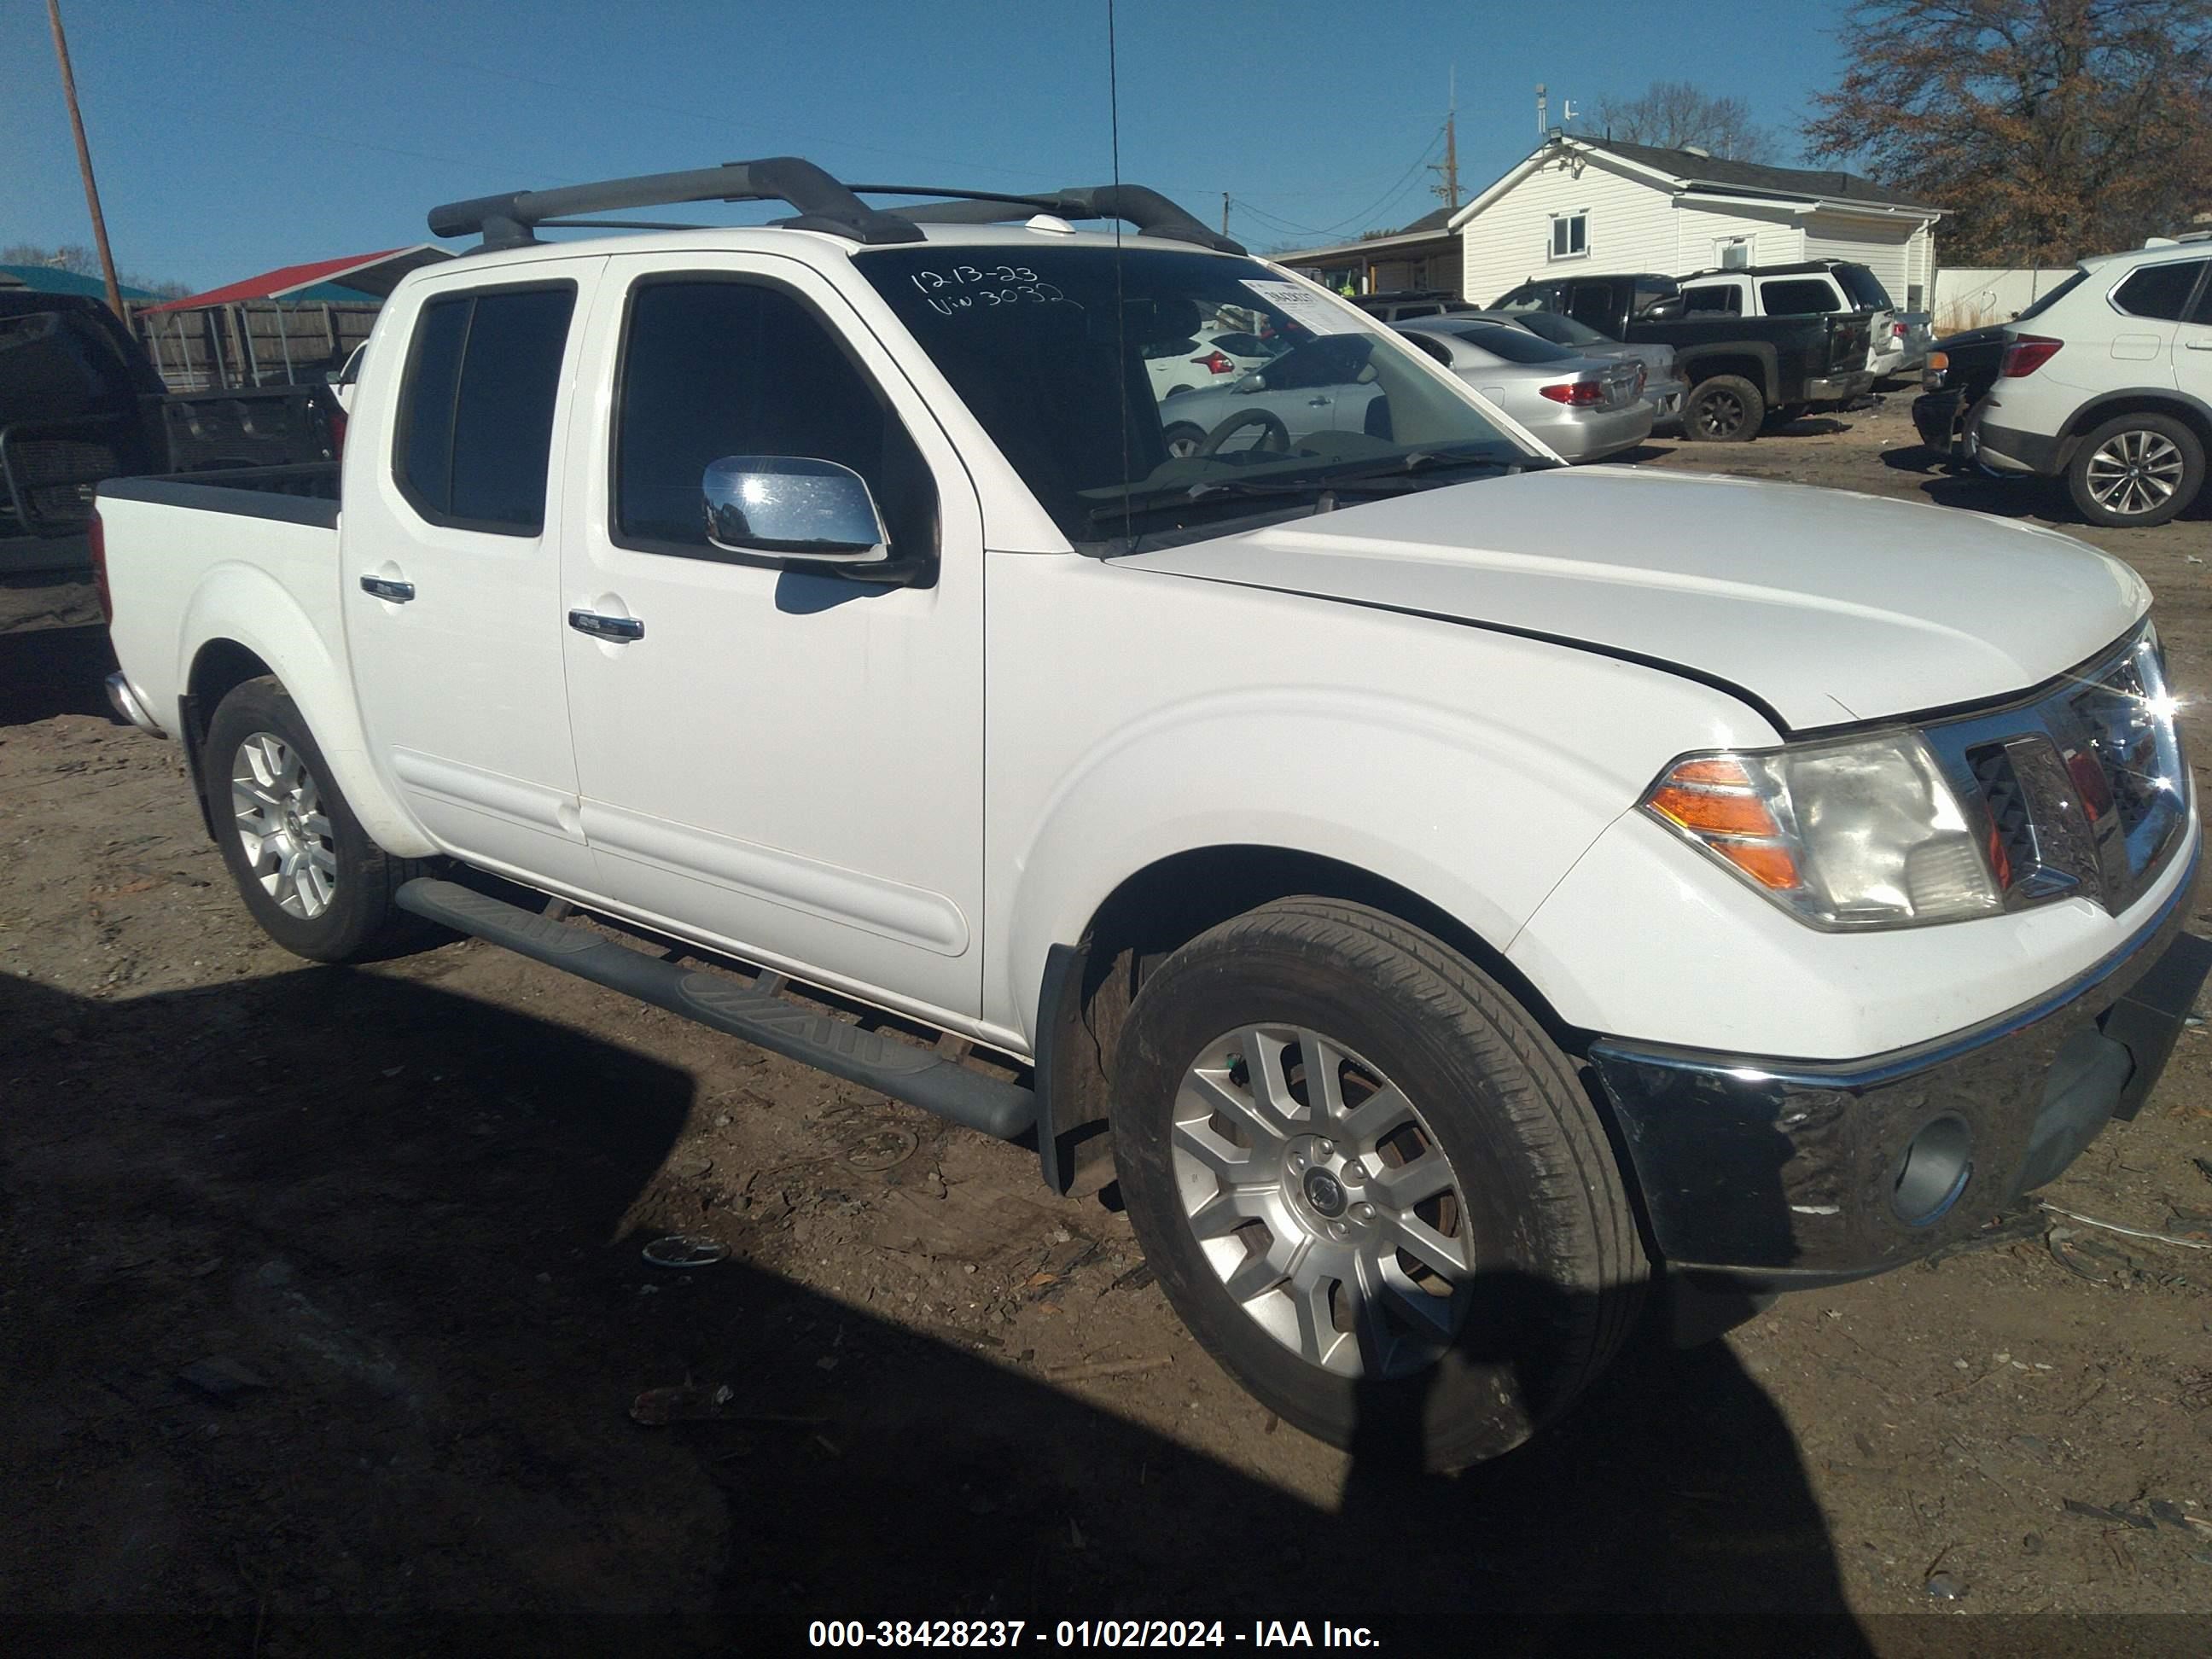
(84, 161)
(1225, 213)
(1448, 183)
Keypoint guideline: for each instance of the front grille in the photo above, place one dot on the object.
(2082, 792)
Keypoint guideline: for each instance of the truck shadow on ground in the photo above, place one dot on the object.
(55, 671)
(394, 1229)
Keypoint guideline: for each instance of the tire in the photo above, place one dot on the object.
(1724, 410)
(2136, 471)
(1533, 1199)
(1183, 440)
(335, 902)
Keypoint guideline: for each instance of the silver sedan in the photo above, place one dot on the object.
(1663, 381)
(1585, 408)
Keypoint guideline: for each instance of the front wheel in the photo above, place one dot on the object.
(2136, 471)
(1371, 1186)
(307, 869)
(1724, 410)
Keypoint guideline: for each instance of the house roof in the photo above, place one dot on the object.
(357, 276)
(45, 279)
(1713, 178)
(1756, 177)
(1432, 224)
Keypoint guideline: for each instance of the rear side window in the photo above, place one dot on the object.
(2159, 291)
(1718, 299)
(1512, 344)
(476, 411)
(1802, 297)
(1865, 288)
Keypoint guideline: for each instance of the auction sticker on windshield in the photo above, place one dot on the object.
(1305, 308)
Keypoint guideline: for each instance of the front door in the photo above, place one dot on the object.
(782, 758)
(451, 577)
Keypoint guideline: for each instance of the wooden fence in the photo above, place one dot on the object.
(257, 343)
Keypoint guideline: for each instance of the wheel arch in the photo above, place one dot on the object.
(1757, 363)
(243, 624)
(2192, 412)
(1089, 986)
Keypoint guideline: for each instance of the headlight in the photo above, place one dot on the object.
(1862, 833)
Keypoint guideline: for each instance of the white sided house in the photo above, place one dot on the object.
(1604, 205)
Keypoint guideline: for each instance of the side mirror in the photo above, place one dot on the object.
(793, 507)
(1255, 381)
(1664, 311)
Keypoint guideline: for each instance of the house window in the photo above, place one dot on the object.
(1571, 234)
(1733, 252)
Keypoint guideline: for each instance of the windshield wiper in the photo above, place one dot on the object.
(1378, 482)
(1426, 460)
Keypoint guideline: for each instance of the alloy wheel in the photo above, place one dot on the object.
(291, 848)
(2134, 472)
(1719, 414)
(1322, 1201)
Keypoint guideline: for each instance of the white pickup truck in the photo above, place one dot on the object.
(1462, 893)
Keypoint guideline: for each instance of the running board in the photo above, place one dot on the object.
(921, 1077)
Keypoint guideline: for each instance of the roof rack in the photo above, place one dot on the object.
(823, 203)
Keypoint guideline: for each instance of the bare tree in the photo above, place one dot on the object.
(81, 262)
(2046, 129)
(1672, 114)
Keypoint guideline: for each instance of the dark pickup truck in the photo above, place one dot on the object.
(81, 402)
(1960, 373)
(1741, 370)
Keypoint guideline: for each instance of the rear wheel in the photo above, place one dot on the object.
(307, 869)
(1724, 410)
(1370, 1185)
(2136, 471)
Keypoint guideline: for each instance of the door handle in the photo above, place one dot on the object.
(620, 629)
(1316, 403)
(2198, 345)
(384, 588)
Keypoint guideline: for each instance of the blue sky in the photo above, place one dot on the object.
(232, 135)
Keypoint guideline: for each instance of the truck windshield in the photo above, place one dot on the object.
(1124, 388)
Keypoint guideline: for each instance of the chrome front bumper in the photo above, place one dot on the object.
(1778, 1175)
(126, 703)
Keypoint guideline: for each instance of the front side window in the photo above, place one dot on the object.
(1048, 351)
(1802, 296)
(476, 408)
(1570, 235)
(2160, 292)
(712, 367)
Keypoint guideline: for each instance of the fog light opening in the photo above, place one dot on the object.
(1934, 1171)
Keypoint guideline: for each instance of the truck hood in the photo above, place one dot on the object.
(1825, 606)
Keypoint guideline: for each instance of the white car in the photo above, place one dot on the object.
(2106, 381)
(1186, 363)
(1465, 893)
(1811, 288)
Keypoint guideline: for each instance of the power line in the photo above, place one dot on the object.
(1366, 214)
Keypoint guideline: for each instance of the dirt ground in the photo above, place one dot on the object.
(322, 1310)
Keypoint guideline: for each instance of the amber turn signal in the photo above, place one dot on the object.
(1714, 798)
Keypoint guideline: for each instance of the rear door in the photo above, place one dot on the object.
(2192, 345)
(449, 549)
(2149, 304)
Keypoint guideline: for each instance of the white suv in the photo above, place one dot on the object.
(2112, 384)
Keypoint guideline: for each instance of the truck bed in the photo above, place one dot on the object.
(304, 494)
